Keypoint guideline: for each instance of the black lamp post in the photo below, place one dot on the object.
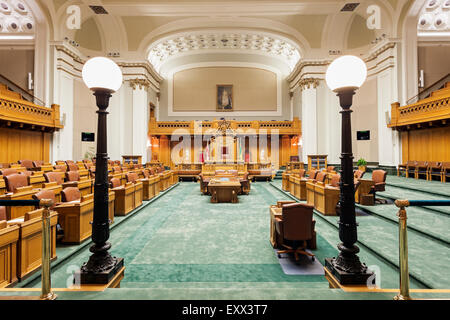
(104, 77)
(344, 76)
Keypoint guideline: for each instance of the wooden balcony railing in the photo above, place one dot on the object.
(435, 109)
(158, 128)
(14, 109)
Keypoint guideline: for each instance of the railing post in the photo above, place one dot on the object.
(403, 250)
(46, 293)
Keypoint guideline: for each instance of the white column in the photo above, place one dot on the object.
(329, 124)
(63, 140)
(309, 122)
(388, 146)
(140, 122)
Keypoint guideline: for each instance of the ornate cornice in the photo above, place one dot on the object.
(306, 83)
(300, 66)
(141, 83)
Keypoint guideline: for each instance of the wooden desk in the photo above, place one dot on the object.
(275, 212)
(363, 190)
(224, 191)
(2, 185)
(285, 181)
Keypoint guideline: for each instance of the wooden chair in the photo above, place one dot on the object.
(421, 169)
(411, 168)
(29, 247)
(75, 215)
(434, 169)
(445, 173)
(296, 228)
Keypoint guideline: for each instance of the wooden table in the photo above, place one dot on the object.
(224, 189)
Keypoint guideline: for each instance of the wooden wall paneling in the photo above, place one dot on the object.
(164, 150)
(431, 144)
(24, 144)
(285, 150)
(405, 146)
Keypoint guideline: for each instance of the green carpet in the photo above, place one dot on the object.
(183, 240)
(182, 243)
(429, 251)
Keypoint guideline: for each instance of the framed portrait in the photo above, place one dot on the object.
(224, 97)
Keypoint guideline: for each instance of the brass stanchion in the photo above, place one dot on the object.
(46, 293)
(403, 250)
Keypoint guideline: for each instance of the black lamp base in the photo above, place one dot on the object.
(348, 278)
(103, 277)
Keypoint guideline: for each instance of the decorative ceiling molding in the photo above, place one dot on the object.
(141, 83)
(434, 17)
(16, 18)
(306, 83)
(266, 44)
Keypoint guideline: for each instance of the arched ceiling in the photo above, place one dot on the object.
(289, 30)
(225, 41)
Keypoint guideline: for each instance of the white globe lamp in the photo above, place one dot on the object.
(346, 73)
(102, 74)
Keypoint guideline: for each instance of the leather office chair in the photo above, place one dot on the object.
(72, 167)
(14, 181)
(434, 169)
(115, 183)
(8, 171)
(70, 194)
(57, 177)
(301, 173)
(320, 177)
(203, 184)
(60, 167)
(379, 178)
(46, 194)
(245, 184)
(358, 174)
(311, 174)
(26, 163)
(38, 163)
(296, 227)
